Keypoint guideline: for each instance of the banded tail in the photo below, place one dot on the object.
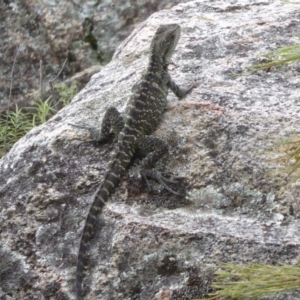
(118, 165)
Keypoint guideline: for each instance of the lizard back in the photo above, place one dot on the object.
(143, 113)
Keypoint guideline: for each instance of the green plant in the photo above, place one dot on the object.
(287, 156)
(275, 58)
(290, 1)
(254, 281)
(16, 123)
(43, 111)
(66, 94)
(12, 127)
(279, 57)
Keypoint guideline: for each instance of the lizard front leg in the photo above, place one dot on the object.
(177, 90)
(154, 149)
(112, 123)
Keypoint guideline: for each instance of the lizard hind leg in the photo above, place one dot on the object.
(154, 149)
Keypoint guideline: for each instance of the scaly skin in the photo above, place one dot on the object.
(143, 113)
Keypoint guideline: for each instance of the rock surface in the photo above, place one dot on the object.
(84, 32)
(158, 246)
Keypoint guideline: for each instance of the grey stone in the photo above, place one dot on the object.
(86, 33)
(220, 136)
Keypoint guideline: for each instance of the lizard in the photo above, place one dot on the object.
(143, 113)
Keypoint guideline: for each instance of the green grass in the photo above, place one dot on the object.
(286, 154)
(43, 111)
(290, 157)
(279, 57)
(16, 123)
(290, 1)
(66, 94)
(12, 127)
(276, 58)
(253, 281)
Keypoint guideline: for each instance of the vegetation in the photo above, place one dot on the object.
(291, 1)
(16, 123)
(289, 160)
(279, 57)
(254, 281)
(232, 281)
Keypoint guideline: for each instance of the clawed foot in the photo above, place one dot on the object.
(94, 133)
(194, 85)
(159, 178)
(184, 92)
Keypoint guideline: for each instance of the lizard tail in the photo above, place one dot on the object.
(110, 181)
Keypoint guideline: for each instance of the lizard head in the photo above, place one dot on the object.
(165, 41)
